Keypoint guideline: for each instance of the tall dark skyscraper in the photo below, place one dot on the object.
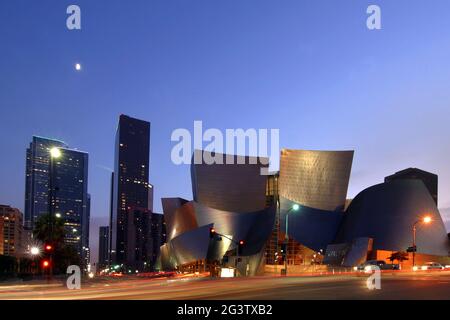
(37, 178)
(103, 247)
(131, 183)
(158, 236)
(69, 176)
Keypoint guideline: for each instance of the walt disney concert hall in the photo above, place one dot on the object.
(237, 218)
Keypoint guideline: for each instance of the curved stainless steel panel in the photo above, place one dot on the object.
(230, 187)
(179, 216)
(254, 227)
(191, 246)
(311, 227)
(315, 179)
(387, 212)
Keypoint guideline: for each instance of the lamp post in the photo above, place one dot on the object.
(295, 207)
(55, 153)
(34, 252)
(425, 220)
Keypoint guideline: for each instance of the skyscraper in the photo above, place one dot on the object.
(158, 236)
(131, 182)
(66, 181)
(103, 247)
(72, 201)
(37, 178)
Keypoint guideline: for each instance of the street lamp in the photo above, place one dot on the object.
(35, 251)
(295, 207)
(55, 153)
(424, 220)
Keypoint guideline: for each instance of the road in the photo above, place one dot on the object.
(423, 286)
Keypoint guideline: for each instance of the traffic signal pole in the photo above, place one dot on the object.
(240, 243)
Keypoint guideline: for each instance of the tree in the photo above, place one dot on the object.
(399, 256)
(63, 254)
(43, 231)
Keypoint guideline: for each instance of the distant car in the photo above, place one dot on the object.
(429, 266)
(447, 267)
(372, 265)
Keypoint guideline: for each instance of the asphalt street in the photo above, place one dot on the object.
(420, 286)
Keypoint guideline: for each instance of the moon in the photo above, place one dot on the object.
(77, 66)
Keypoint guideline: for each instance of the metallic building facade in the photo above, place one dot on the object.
(188, 225)
(315, 179)
(313, 228)
(231, 198)
(243, 181)
(131, 181)
(429, 179)
(387, 212)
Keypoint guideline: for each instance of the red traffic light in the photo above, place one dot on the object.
(45, 264)
(212, 232)
(241, 242)
(48, 247)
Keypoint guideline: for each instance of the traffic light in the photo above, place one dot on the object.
(412, 249)
(45, 264)
(48, 248)
(212, 233)
(240, 247)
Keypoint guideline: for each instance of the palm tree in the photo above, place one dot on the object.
(44, 232)
(51, 230)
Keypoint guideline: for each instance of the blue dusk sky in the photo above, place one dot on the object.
(308, 67)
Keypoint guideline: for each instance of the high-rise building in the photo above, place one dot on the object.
(72, 201)
(429, 179)
(64, 180)
(139, 250)
(131, 182)
(111, 251)
(158, 236)
(38, 178)
(103, 247)
(85, 233)
(11, 229)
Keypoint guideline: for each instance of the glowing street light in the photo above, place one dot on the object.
(294, 207)
(55, 152)
(34, 251)
(424, 220)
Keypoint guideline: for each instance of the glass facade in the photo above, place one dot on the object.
(131, 182)
(103, 247)
(72, 202)
(37, 178)
(69, 176)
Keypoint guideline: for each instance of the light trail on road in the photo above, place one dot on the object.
(394, 286)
